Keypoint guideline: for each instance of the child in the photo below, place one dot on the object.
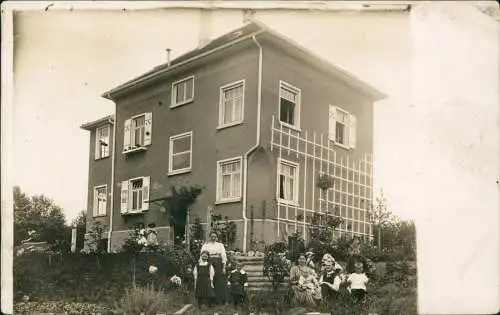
(330, 282)
(309, 283)
(203, 280)
(357, 283)
(309, 260)
(238, 283)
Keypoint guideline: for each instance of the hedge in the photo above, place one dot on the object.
(91, 278)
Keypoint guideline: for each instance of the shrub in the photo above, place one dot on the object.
(146, 300)
(276, 265)
(278, 247)
(262, 301)
(59, 307)
(295, 246)
(77, 277)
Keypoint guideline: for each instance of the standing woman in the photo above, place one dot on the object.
(218, 259)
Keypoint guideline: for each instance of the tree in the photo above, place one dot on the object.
(380, 216)
(38, 219)
(177, 205)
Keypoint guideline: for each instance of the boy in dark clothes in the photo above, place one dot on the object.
(238, 283)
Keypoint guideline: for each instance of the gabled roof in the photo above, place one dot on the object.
(109, 119)
(246, 32)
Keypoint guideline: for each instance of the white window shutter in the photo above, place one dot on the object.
(352, 131)
(127, 134)
(124, 197)
(145, 192)
(148, 128)
(331, 122)
(97, 151)
(94, 204)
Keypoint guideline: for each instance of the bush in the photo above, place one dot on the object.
(276, 266)
(78, 277)
(146, 300)
(59, 307)
(278, 247)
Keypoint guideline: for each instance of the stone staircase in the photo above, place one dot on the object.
(254, 267)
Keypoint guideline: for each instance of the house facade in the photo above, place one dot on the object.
(255, 120)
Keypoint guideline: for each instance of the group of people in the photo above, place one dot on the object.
(312, 285)
(215, 284)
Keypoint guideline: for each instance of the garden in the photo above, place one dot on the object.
(153, 278)
(149, 277)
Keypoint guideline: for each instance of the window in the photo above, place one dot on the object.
(135, 195)
(231, 104)
(342, 127)
(100, 197)
(137, 132)
(229, 180)
(182, 91)
(289, 105)
(180, 154)
(102, 142)
(288, 182)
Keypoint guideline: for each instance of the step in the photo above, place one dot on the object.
(253, 268)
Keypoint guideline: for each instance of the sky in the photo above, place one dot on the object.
(64, 61)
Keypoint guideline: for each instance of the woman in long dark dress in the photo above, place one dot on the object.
(203, 278)
(218, 259)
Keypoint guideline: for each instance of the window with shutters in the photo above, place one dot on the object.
(180, 153)
(100, 200)
(231, 104)
(229, 180)
(102, 142)
(136, 192)
(135, 195)
(288, 182)
(342, 127)
(182, 91)
(289, 107)
(137, 133)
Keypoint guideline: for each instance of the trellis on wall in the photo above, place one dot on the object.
(350, 196)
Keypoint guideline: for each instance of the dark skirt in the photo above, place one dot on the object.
(220, 282)
(204, 289)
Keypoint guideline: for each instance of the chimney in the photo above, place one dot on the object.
(205, 31)
(168, 56)
(248, 16)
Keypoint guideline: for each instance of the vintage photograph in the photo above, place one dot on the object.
(232, 157)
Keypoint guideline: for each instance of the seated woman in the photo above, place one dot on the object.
(305, 288)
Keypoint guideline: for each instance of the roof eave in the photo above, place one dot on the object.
(374, 93)
(111, 94)
(97, 123)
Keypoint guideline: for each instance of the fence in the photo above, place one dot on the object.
(351, 195)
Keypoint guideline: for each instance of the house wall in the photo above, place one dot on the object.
(209, 144)
(318, 91)
(99, 174)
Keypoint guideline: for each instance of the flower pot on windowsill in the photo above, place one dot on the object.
(325, 182)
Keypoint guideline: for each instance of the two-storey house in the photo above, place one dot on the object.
(255, 119)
